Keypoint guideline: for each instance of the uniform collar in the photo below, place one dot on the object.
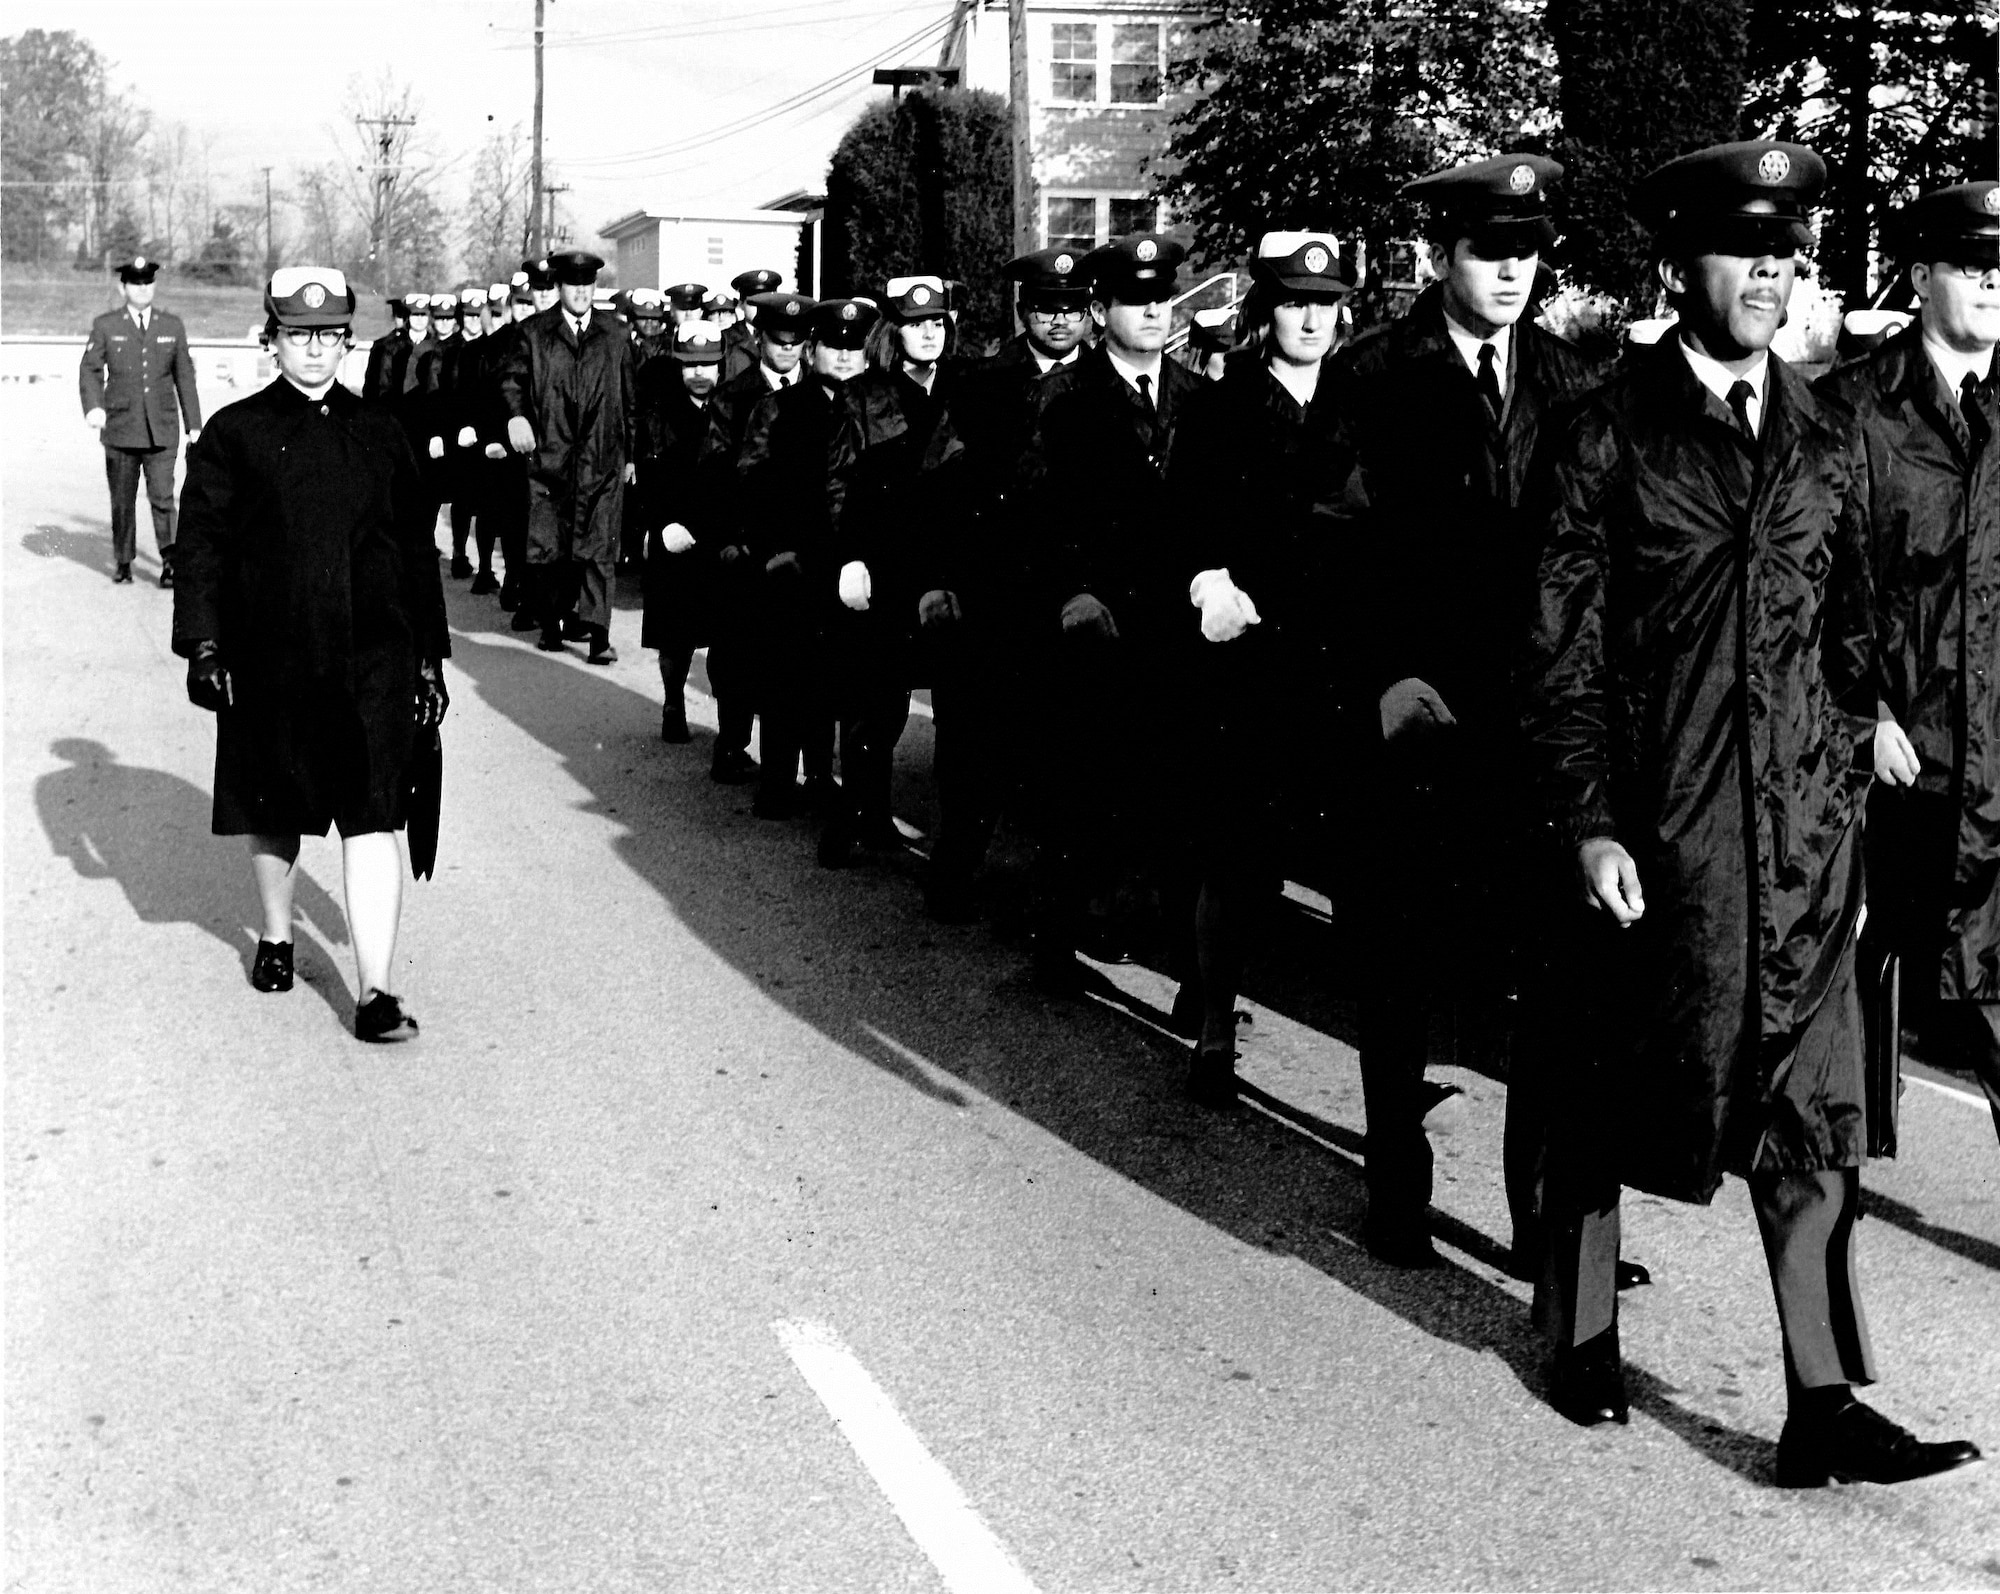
(1129, 374)
(1954, 367)
(1045, 363)
(1719, 379)
(1469, 344)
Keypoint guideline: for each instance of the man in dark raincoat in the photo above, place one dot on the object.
(310, 614)
(1926, 407)
(1699, 698)
(567, 385)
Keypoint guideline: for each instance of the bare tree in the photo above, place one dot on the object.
(499, 213)
(389, 172)
(116, 132)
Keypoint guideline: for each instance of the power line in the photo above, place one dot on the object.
(740, 22)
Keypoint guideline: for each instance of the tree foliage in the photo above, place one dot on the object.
(51, 85)
(1312, 115)
(924, 184)
(1897, 97)
(498, 210)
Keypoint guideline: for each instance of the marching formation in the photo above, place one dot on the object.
(1610, 696)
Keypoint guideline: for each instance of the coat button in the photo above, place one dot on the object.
(323, 409)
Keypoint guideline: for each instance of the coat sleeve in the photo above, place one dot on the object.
(90, 374)
(1565, 685)
(205, 546)
(1847, 628)
(416, 523)
(184, 380)
(517, 380)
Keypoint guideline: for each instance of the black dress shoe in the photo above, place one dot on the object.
(484, 583)
(122, 576)
(1633, 1275)
(574, 630)
(732, 767)
(674, 725)
(1587, 1382)
(1401, 1241)
(524, 621)
(601, 651)
(1857, 1444)
(383, 1019)
(461, 567)
(272, 970)
(167, 575)
(549, 642)
(1211, 1080)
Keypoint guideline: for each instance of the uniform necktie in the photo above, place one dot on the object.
(1975, 417)
(1146, 390)
(1489, 380)
(1740, 395)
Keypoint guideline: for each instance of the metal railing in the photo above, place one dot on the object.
(1232, 296)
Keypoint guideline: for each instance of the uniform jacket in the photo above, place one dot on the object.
(1698, 687)
(137, 378)
(388, 365)
(1933, 499)
(1097, 479)
(577, 394)
(739, 350)
(684, 598)
(1437, 561)
(892, 474)
(306, 553)
(729, 410)
(782, 501)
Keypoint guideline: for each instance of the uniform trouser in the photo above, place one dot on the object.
(509, 507)
(735, 706)
(973, 696)
(790, 687)
(1807, 1223)
(872, 721)
(464, 510)
(122, 469)
(563, 588)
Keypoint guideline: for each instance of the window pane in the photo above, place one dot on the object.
(1135, 63)
(1073, 75)
(1072, 223)
(1134, 215)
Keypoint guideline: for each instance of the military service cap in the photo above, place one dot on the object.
(470, 300)
(309, 296)
(915, 299)
(520, 288)
(1311, 264)
(1138, 268)
(541, 275)
(497, 294)
(698, 343)
(575, 268)
(751, 282)
(1746, 198)
(687, 295)
(784, 316)
(843, 323)
(1862, 330)
(1959, 224)
(646, 304)
(399, 306)
(1501, 204)
(444, 307)
(1051, 277)
(1212, 331)
(138, 269)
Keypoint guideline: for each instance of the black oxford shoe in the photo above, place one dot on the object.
(1403, 1242)
(674, 726)
(1633, 1275)
(383, 1019)
(166, 575)
(1587, 1382)
(1211, 1080)
(733, 767)
(549, 642)
(272, 970)
(122, 576)
(1857, 1444)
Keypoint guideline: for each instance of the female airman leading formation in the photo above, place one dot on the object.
(1606, 665)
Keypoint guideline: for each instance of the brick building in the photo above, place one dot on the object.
(1097, 105)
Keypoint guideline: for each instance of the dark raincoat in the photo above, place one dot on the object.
(1933, 496)
(578, 397)
(305, 553)
(687, 593)
(1698, 688)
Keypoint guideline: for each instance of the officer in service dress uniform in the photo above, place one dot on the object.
(739, 343)
(1700, 700)
(313, 623)
(567, 386)
(1925, 401)
(137, 383)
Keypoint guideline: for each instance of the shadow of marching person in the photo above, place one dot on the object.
(137, 826)
(946, 1011)
(86, 542)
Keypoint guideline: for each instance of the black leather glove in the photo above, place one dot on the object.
(938, 608)
(1085, 616)
(732, 553)
(431, 699)
(209, 685)
(784, 564)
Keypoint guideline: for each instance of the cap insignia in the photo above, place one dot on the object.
(313, 295)
(1521, 178)
(139, 261)
(1991, 201)
(1774, 166)
(848, 312)
(920, 295)
(1065, 264)
(1316, 259)
(791, 307)
(1147, 249)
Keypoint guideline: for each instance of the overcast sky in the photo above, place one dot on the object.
(643, 99)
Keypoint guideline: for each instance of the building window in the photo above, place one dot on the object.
(1072, 223)
(1074, 62)
(715, 251)
(1134, 215)
(1135, 63)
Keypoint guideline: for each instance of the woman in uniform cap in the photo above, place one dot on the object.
(313, 623)
(1255, 640)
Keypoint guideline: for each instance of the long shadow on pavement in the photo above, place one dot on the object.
(137, 826)
(851, 954)
(87, 542)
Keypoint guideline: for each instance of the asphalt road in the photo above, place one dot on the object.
(733, 1227)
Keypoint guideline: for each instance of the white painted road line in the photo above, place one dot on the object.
(933, 1507)
(1945, 1090)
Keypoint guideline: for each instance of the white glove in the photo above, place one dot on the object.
(1226, 609)
(437, 448)
(1896, 760)
(194, 437)
(520, 435)
(94, 418)
(495, 451)
(676, 538)
(467, 436)
(855, 587)
(1412, 704)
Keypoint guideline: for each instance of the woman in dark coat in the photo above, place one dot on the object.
(1252, 651)
(313, 623)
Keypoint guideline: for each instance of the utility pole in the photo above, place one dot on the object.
(386, 172)
(270, 238)
(550, 240)
(535, 157)
(1027, 232)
